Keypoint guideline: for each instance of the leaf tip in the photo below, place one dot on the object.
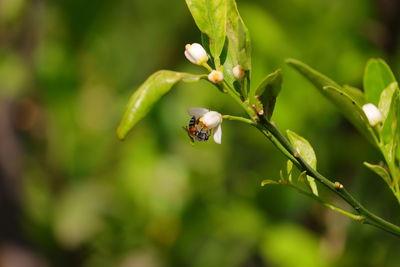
(267, 182)
(278, 73)
(121, 134)
(291, 61)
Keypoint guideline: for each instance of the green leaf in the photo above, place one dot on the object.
(382, 172)
(386, 99)
(347, 99)
(205, 42)
(289, 169)
(356, 94)
(388, 105)
(283, 178)
(147, 94)
(349, 108)
(303, 147)
(397, 131)
(268, 91)
(319, 80)
(238, 36)
(377, 77)
(306, 151)
(210, 18)
(311, 182)
(287, 177)
(268, 182)
(313, 185)
(302, 177)
(239, 45)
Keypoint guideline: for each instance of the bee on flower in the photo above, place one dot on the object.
(202, 123)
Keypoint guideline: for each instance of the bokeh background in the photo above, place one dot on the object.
(71, 194)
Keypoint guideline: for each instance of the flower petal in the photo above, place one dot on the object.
(373, 114)
(189, 57)
(211, 119)
(216, 76)
(197, 112)
(196, 54)
(218, 135)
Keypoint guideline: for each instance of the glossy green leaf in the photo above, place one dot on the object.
(319, 80)
(147, 94)
(388, 105)
(210, 18)
(238, 37)
(347, 99)
(386, 99)
(268, 91)
(382, 172)
(303, 147)
(313, 185)
(205, 42)
(356, 94)
(377, 77)
(349, 108)
(306, 151)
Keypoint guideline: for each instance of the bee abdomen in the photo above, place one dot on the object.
(192, 122)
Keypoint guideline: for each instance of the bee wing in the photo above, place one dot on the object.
(197, 112)
(218, 135)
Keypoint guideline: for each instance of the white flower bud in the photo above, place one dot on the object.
(373, 114)
(238, 72)
(216, 76)
(196, 54)
(211, 119)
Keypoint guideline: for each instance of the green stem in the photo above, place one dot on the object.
(393, 170)
(280, 141)
(278, 145)
(232, 92)
(235, 118)
(205, 65)
(368, 216)
(228, 89)
(329, 205)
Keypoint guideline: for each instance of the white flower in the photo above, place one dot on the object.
(196, 54)
(207, 120)
(211, 119)
(238, 72)
(373, 114)
(216, 76)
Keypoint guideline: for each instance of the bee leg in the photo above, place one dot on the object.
(189, 135)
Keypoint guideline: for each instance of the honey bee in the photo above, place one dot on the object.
(197, 131)
(202, 123)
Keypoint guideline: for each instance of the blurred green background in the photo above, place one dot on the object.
(71, 194)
